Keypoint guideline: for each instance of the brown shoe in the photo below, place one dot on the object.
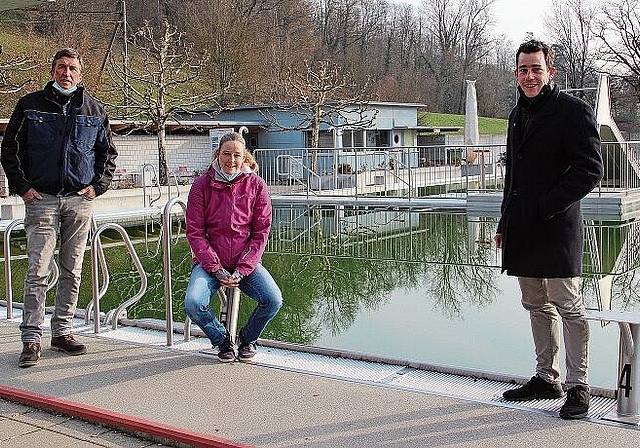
(30, 354)
(67, 344)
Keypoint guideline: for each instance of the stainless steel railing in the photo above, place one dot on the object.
(410, 172)
(97, 292)
(8, 282)
(166, 258)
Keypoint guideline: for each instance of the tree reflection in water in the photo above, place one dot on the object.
(342, 262)
(334, 263)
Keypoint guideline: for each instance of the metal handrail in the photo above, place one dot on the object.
(293, 160)
(175, 183)
(166, 258)
(53, 277)
(152, 169)
(97, 292)
(229, 307)
(103, 269)
(151, 200)
(392, 154)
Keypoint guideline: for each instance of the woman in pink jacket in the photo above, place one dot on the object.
(228, 222)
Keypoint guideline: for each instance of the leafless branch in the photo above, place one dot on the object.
(10, 67)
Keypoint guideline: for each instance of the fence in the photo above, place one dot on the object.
(384, 171)
(398, 172)
(416, 171)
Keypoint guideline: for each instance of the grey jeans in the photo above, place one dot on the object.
(548, 300)
(68, 218)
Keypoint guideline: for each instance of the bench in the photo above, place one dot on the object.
(628, 387)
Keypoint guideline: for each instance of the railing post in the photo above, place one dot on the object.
(229, 306)
(7, 266)
(628, 392)
(166, 260)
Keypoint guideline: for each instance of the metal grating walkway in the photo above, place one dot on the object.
(461, 386)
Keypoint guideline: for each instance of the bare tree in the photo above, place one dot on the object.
(161, 83)
(476, 47)
(496, 84)
(15, 65)
(618, 30)
(17, 76)
(337, 23)
(570, 27)
(459, 30)
(321, 94)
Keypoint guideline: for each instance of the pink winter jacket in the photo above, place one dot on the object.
(228, 224)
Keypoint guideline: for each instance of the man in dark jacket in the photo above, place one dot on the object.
(58, 155)
(553, 160)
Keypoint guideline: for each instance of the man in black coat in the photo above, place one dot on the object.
(553, 160)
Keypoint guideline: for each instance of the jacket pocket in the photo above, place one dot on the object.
(42, 127)
(86, 131)
(43, 147)
(81, 155)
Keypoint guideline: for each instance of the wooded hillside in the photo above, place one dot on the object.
(403, 53)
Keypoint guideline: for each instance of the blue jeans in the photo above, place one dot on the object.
(259, 285)
(46, 220)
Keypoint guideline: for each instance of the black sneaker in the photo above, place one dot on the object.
(68, 344)
(577, 404)
(226, 350)
(535, 389)
(30, 354)
(246, 351)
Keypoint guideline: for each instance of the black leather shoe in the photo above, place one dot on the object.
(67, 344)
(535, 389)
(30, 354)
(577, 404)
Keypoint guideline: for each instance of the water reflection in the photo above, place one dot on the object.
(336, 264)
(352, 259)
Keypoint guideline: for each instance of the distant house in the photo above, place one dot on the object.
(396, 124)
(391, 140)
(344, 148)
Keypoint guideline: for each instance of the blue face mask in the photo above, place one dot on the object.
(229, 177)
(67, 92)
(221, 175)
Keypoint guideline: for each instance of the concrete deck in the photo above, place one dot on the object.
(244, 404)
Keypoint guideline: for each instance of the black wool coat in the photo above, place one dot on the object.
(553, 160)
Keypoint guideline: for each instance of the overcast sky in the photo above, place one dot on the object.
(514, 18)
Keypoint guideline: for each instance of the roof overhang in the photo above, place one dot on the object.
(124, 126)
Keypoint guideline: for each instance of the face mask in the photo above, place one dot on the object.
(220, 174)
(67, 92)
(229, 177)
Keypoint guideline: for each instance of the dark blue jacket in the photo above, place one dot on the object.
(58, 150)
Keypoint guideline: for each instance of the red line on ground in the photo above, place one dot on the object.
(124, 422)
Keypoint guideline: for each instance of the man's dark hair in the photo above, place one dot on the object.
(533, 46)
(67, 53)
